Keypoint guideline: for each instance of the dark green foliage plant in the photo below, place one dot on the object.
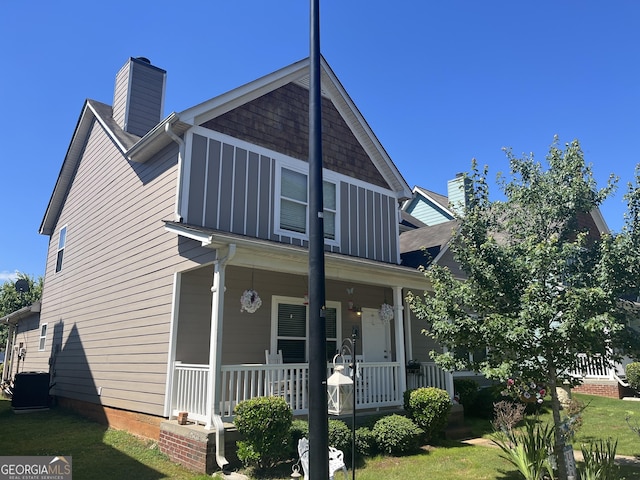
(264, 424)
(340, 435)
(599, 461)
(467, 391)
(430, 407)
(406, 396)
(528, 449)
(299, 429)
(397, 435)
(632, 371)
(365, 442)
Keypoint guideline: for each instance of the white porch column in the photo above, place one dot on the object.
(215, 341)
(398, 317)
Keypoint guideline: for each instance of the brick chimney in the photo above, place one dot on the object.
(138, 97)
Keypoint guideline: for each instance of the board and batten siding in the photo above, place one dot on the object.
(232, 188)
(109, 309)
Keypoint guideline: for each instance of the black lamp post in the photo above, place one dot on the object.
(318, 421)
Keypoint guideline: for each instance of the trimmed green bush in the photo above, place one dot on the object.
(340, 436)
(633, 375)
(264, 423)
(365, 442)
(467, 391)
(397, 435)
(299, 428)
(430, 407)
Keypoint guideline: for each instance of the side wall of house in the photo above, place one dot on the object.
(109, 308)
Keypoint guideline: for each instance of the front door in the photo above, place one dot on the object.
(376, 338)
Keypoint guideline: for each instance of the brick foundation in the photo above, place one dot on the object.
(604, 388)
(189, 446)
(140, 424)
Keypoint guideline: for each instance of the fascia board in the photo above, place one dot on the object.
(221, 104)
(68, 168)
(258, 253)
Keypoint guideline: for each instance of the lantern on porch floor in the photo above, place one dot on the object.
(340, 392)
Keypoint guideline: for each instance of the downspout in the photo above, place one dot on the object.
(214, 420)
(180, 142)
(398, 307)
(8, 352)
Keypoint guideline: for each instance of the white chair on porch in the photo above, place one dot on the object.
(276, 386)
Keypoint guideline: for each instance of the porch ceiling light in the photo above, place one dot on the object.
(340, 392)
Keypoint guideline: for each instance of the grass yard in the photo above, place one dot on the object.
(100, 453)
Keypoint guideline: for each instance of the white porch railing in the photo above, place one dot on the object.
(431, 375)
(593, 367)
(377, 386)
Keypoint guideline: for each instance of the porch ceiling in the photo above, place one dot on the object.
(278, 257)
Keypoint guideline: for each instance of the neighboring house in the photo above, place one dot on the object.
(26, 338)
(429, 244)
(432, 208)
(159, 225)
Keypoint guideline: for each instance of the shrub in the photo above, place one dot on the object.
(405, 398)
(485, 399)
(528, 449)
(299, 429)
(633, 375)
(365, 442)
(340, 436)
(264, 423)
(430, 409)
(397, 435)
(466, 390)
(599, 461)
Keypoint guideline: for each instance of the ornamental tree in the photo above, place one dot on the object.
(12, 300)
(542, 285)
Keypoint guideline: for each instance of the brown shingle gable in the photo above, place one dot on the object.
(279, 121)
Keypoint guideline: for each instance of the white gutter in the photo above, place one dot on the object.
(180, 142)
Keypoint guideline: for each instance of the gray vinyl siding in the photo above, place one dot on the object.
(232, 189)
(110, 306)
(138, 96)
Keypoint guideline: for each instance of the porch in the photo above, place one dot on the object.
(377, 386)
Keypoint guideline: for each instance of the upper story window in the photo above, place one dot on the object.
(62, 240)
(43, 337)
(294, 204)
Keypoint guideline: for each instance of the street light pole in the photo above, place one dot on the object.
(318, 421)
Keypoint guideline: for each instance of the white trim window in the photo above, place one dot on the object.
(290, 328)
(293, 208)
(62, 241)
(43, 337)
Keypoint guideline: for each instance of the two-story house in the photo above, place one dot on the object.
(159, 225)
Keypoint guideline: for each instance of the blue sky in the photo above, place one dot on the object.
(440, 83)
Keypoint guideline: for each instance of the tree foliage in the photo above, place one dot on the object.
(12, 300)
(541, 287)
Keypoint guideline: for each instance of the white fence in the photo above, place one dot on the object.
(430, 375)
(593, 367)
(376, 386)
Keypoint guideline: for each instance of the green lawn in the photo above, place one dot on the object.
(100, 453)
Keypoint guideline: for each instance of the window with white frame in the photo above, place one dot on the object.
(290, 329)
(62, 240)
(294, 204)
(43, 337)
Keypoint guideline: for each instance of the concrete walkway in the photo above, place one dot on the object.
(620, 459)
